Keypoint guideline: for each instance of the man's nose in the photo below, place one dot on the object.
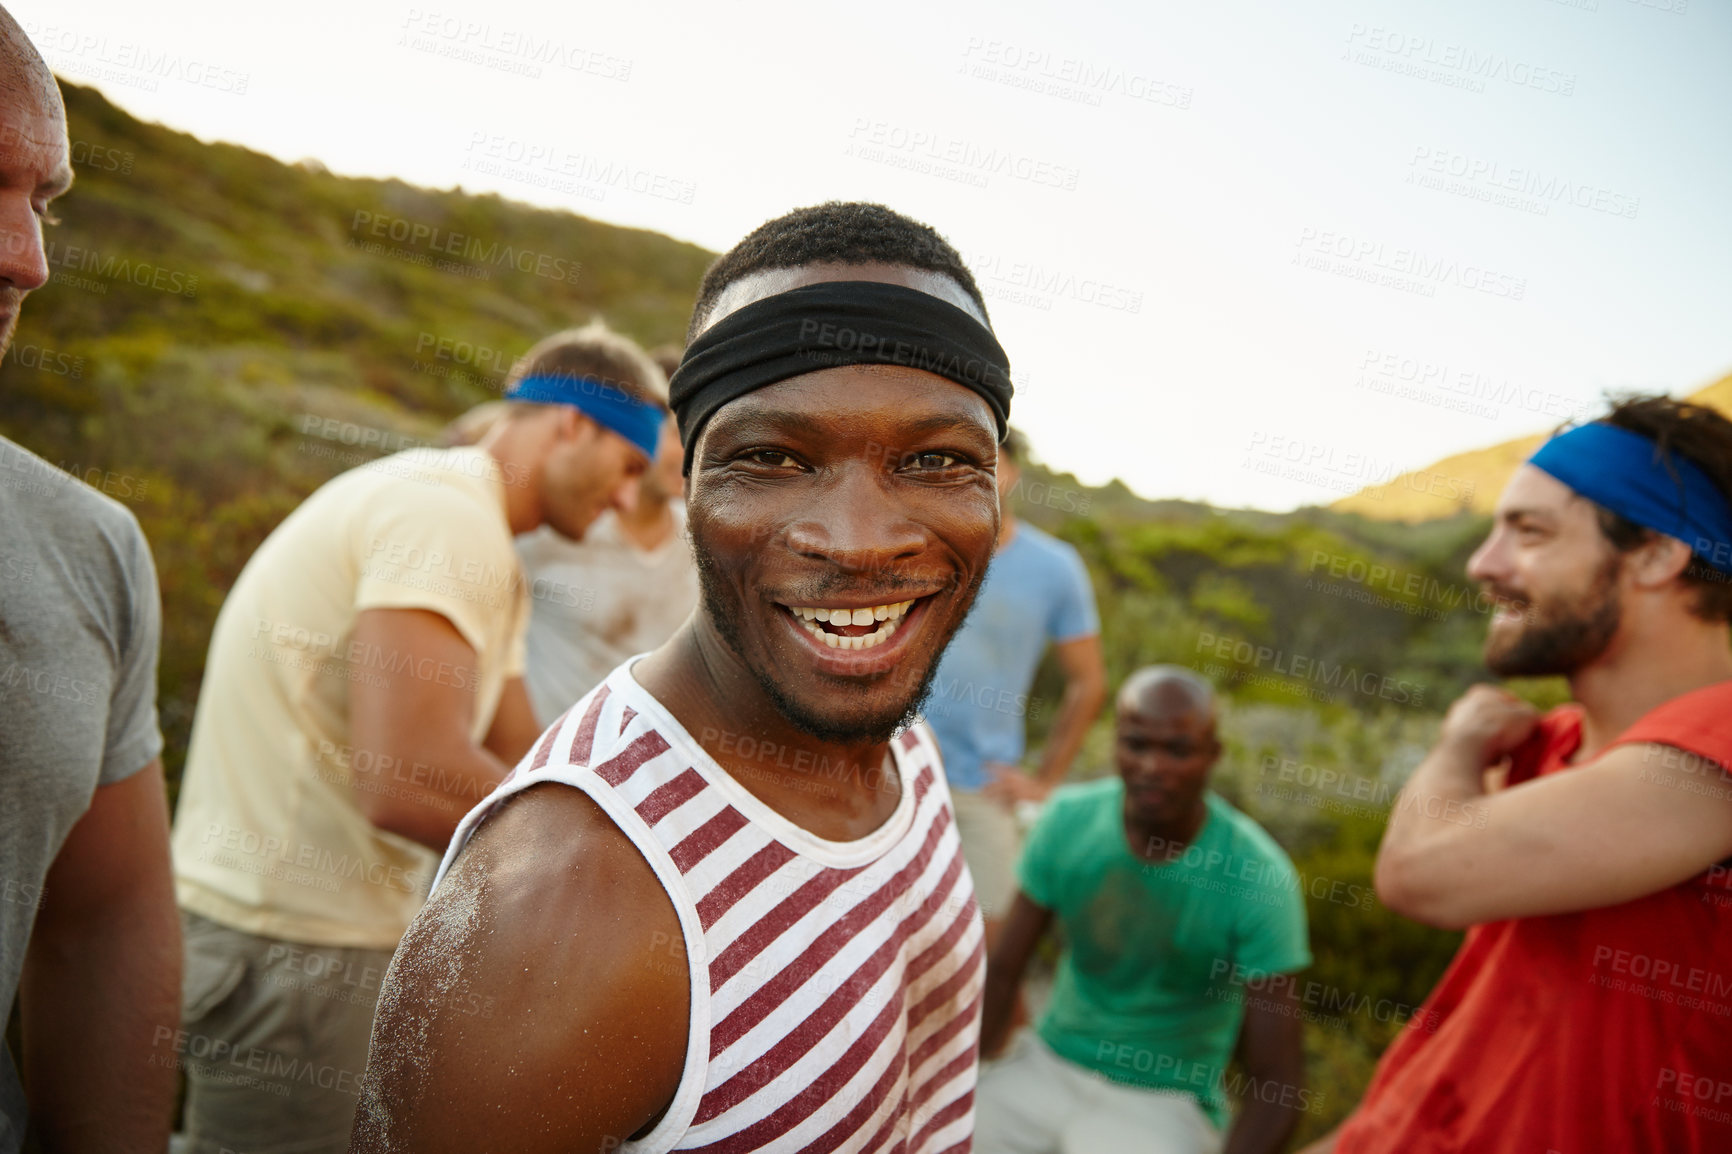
(856, 522)
(1490, 561)
(624, 495)
(23, 262)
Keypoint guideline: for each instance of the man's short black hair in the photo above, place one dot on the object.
(835, 232)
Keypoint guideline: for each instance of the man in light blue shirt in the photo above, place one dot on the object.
(1036, 593)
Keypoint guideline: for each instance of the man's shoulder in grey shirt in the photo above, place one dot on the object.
(80, 625)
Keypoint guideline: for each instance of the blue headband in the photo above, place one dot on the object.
(639, 422)
(1626, 473)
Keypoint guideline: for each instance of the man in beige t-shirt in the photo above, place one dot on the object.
(363, 690)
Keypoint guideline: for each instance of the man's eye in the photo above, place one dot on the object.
(931, 460)
(772, 459)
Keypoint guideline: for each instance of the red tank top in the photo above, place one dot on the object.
(835, 986)
(1607, 1031)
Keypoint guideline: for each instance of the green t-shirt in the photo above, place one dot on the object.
(1143, 993)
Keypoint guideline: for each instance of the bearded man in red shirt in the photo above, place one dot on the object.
(1586, 850)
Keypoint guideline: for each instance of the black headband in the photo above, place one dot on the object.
(835, 323)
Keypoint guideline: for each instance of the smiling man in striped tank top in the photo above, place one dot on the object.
(721, 904)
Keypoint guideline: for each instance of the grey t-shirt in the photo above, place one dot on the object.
(80, 623)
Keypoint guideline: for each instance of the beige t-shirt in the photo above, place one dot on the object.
(269, 838)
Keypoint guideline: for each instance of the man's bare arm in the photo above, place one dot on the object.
(1603, 833)
(1271, 1048)
(515, 726)
(1022, 930)
(101, 982)
(416, 769)
(539, 1002)
(1085, 690)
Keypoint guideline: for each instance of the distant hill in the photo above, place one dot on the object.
(1477, 476)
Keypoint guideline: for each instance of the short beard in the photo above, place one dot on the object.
(817, 726)
(1574, 634)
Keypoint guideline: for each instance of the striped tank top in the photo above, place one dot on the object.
(835, 986)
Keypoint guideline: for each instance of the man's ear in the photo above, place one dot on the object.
(573, 424)
(1658, 560)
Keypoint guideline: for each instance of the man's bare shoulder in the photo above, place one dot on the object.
(541, 998)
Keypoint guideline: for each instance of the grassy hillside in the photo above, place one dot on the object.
(223, 332)
(1414, 497)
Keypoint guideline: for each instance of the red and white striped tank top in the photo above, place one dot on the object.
(835, 986)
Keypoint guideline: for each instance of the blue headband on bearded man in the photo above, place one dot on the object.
(1627, 473)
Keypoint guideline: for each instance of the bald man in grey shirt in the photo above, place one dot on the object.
(89, 936)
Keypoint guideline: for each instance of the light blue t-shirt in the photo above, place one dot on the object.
(1036, 592)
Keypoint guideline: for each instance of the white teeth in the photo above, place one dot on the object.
(887, 617)
(865, 641)
(861, 616)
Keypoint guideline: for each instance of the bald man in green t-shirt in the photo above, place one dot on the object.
(1167, 897)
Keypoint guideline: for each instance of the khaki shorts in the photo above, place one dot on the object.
(1035, 1102)
(273, 1040)
(990, 846)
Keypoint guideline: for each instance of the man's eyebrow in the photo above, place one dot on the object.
(943, 422)
(774, 420)
(1520, 513)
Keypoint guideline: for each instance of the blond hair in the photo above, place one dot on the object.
(595, 351)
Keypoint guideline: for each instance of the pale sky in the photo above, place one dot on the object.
(1251, 252)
